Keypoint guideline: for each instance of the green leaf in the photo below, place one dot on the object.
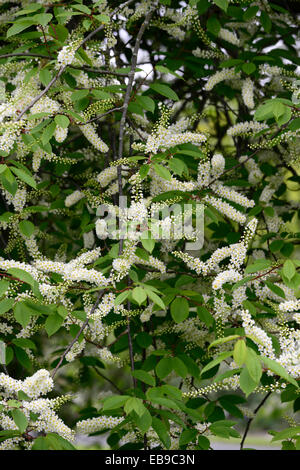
(289, 269)
(187, 436)
(253, 365)
(265, 21)
(139, 295)
(4, 285)
(18, 27)
(134, 404)
(161, 430)
(162, 171)
(247, 384)
(144, 421)
(62, 121)
(78, 95)
(179, 309)
(116, 401)
(45, 76)
(258, 265)
(24, 176)
(289, 433)
(248, 68)
(144, 377)
(22, 316)
(146, 103)
(26, 228)
(205, 316)
(223, 4)
(276, 289)
(216, 361)
(6, 305)
(225, 339)
(53, 323)
(121, 297)
(240, 352)
(164, 367)
(20, 420)
(22, 275)
(179, 367)
(154, 297)
(278, 370)
(164, 90)
(48, 132)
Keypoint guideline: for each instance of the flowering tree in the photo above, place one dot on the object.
(148, 263)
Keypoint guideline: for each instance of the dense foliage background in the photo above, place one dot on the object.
(193, 104)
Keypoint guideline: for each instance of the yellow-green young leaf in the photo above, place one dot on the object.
(223, 340)
(239, 352)
(139, 295)
(116, 401)
(62, 121)
(216, 361)
(247, 384)
(253, 365)
(134, 404)
(289, 269)
(155, 298)
(258, 265)
(121, 297)
(20, 420)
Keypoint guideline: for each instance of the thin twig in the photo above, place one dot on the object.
(251, 419)
(62, 69)
(100, 294)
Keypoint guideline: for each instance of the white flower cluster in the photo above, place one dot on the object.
(259, 336)
(247, 93)
(91, 135)
(255, 174)
(226, 209)
(67, 54)
(246, 127)
(220, 76)
(217, 164)
(164, 138)
(45, 105)
(107, 176)
(232, 195)
(60, 133)
(229, 36)
(73, 198)
(226, 276)
(91, 425)
(38, 384)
